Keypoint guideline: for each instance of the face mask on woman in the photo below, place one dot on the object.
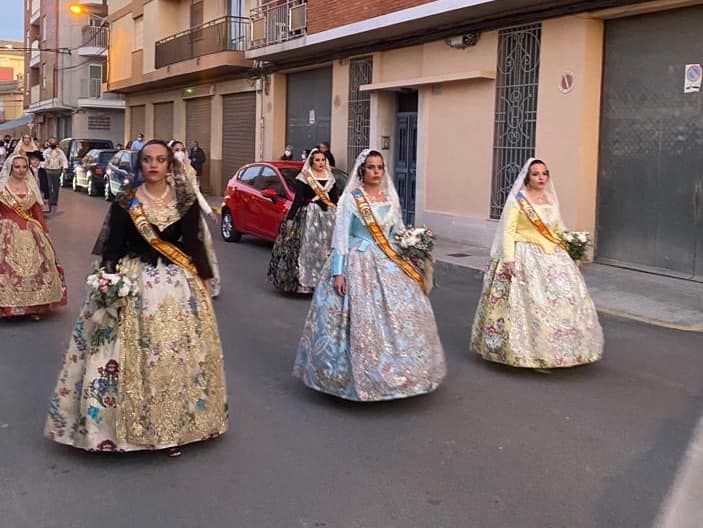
(179, 155)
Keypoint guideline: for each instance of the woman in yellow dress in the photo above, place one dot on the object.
(535, 310)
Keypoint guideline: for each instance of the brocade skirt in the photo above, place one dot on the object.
(152, 379)
(378, 342)
(542, 318)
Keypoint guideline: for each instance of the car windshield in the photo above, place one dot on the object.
(86, 145)
(105, 157)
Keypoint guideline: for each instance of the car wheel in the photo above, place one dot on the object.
(108, 192)
(91, 188)
(229, 233)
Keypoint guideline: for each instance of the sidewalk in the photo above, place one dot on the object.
(653, 299)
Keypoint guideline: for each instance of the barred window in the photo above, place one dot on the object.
(98, 122)
(360, 73)
(516, 108)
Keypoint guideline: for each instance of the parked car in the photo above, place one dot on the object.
(90, 173)
(258, 198)
(75, 149)
(121, 169)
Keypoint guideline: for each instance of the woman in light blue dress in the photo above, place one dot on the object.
(370, 333)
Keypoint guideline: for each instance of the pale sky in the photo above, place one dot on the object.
(12, 20)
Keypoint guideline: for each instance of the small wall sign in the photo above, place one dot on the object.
(567, 82)
(692, 79)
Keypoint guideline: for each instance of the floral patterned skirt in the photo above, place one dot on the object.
(31, 281)
(152, 379)
(301, 249)
(542, 318)
(378, 342)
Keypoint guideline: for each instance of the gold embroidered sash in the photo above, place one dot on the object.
(319, 191)
(12, 203)
(534, 217)
(381, 239)
(168, 250)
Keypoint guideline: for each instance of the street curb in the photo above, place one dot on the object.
(451, 267)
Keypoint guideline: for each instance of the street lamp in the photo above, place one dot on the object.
(78, 10)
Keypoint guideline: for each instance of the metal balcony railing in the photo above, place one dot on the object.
(34, 93)
(227, 33)
(278, 21)
(95, 36)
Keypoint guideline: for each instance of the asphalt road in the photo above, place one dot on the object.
(595, 446)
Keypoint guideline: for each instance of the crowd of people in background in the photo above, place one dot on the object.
(324, 147)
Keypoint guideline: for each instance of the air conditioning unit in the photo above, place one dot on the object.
(297, 17)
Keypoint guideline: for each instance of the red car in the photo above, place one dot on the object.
(258, 198)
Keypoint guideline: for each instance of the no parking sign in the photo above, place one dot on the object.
(694, 76)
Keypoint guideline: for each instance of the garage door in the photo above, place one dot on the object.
(137, 121)
(163, 121)
(650, 182)
(238, 132)
(198, 129)
(309, 105)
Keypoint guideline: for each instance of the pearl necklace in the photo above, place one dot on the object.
(380, 198)
(160, 200)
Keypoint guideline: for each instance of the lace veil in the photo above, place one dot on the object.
(32, 184)
(510, 202)
(347, 205)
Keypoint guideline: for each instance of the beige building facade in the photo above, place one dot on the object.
(457, 95)
(181, 68)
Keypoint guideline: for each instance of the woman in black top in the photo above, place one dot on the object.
(304, 239)
(150, 374)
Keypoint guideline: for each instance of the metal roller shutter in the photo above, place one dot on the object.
(198, 129)
(239, 132)
(137, 121)
(163, 121)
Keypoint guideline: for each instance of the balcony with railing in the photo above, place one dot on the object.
(95, 41)
(277, 21)
(226, 33)
(35, 94)
(34, 12)
(34, 55)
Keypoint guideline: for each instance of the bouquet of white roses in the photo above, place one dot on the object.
(576, 243)
(416, 244)
(109, 292)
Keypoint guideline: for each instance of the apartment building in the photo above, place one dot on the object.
(457, 94)
(11, 80)
(65, 71)
(181, 67)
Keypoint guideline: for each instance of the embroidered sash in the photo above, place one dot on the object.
(381, 239)
(168, 250)
(322, 195)
(534, 217)
(12, 202)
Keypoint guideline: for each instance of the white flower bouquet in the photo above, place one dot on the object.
(416, 244)
(109, 292)
(576, 243)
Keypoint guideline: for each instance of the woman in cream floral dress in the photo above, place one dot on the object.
(535, 310)
(152, 378)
